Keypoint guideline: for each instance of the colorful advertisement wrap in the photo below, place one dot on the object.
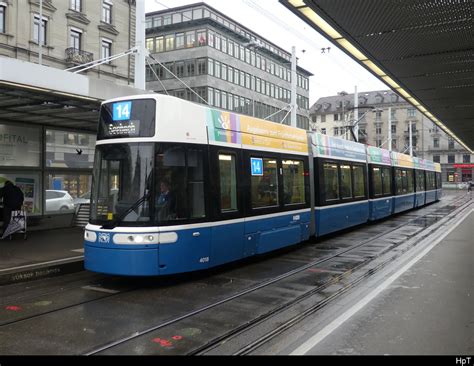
(378, 156)
(338, 148)
(231, 128)
(429, 165)
(402, 160)
(419, 163)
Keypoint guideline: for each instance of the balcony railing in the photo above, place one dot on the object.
(78, 57)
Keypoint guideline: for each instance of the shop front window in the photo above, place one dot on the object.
(66, 149)
(64, 192)
(30, 185)
(20, 146)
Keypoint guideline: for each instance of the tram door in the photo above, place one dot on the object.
(227, 235)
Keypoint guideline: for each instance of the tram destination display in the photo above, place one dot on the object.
(132, 118)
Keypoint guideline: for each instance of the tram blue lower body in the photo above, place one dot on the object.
(431, 196)
(129, 262)
(380, 208)
(419, 199)
(200, 248)
(403, 203)
(330, 219)
(439, 194)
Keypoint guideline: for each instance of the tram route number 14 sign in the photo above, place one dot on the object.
(122, 123)
(122, 111)
(256, 166)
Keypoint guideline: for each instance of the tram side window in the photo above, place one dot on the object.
(359, 181)
(264, 188)
(196, 183)
(377, 181)
(331, 182)
(438, 181)
(410, 181)
(420, 180)
(431, 182)
(293, 182)
(346, 181)
(171, 199)
(228, 183)
(387, 180)
(399, 179)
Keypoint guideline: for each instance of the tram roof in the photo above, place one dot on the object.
(423, 50)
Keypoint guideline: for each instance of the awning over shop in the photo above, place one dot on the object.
(35, 94)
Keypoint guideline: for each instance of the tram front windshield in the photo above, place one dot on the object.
(123, 184)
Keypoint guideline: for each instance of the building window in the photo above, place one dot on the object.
(149, 44)
(378, 130)
(106, 48)
(435, 142)
(451, 144)
(159, 44)
(36, 30)
(202, 37)
(392, 114)
(336, 117)
(411, 112)
(76, 5)
(451, 159)
(394, 129)
(437, 158)
(323, 131)
(466, 158)
(394, 143)
(169, 42)
(107, 12)
(75, 39)
(179, 40)
(2, 18)
(323, 118)
(201, 66)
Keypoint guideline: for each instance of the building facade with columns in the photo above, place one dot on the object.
(333, 115)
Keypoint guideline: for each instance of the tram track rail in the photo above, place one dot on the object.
(336, 279)
(282, 327)
(213, 342)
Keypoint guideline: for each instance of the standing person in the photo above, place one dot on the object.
(12, 197)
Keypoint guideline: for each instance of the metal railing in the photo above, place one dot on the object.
(75, 56)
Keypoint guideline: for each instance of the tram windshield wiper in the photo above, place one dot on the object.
(120, 217)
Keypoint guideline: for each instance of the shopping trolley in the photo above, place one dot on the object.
(17, 224)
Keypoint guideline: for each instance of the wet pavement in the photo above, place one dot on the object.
(85, 313)
(428, 310)
(43, 254)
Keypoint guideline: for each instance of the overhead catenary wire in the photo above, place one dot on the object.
(177, 78)
(157, 77)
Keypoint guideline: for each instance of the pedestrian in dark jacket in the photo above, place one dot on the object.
(12, 197)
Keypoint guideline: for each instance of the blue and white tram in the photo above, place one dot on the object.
(180, 187)
(380, 183)
(340, 184)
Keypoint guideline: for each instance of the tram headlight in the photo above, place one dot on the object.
(90, 236)
(136, 239)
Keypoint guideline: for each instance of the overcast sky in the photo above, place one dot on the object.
(333, 72)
